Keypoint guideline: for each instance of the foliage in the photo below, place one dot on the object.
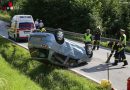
(4, 16)
(77, 15)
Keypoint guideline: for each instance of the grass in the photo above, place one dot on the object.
(5, 16)
(127, 49)
(47, 76)
(12, 79)
(104, 44)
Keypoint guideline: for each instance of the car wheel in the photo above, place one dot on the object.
(90, 55)
(59, 38)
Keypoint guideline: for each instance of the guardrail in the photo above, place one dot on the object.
(79, 35)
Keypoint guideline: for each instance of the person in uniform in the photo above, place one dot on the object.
(117, 48)
(88, 42)
(97, 37)
(122, 42)
(88, 36)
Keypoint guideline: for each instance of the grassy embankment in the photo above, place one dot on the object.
(4, 16)
(12, 79)
(21, 68)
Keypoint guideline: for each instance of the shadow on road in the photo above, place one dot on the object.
(101, 67)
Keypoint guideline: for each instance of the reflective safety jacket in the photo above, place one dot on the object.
(87, 37)
(43, 30)
(123, 39)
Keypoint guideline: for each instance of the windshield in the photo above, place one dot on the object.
(26, 25)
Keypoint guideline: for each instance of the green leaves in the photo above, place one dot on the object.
(77, 15)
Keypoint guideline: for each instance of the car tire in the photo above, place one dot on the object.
(91, 55)
(56, 38)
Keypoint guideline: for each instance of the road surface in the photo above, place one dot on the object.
(96, 69)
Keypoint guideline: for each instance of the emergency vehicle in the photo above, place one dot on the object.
(20, 27)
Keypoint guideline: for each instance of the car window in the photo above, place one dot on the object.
(26, 25)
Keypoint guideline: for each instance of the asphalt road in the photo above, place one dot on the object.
(96, 69)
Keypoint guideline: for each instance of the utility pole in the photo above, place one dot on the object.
(108, 67)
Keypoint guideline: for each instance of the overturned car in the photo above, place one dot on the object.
(56, 49)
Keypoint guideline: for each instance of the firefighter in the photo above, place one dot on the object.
(87, 41)
(114, 48)
(97, 37)
(122, 42)
(117, 48)
(122, 37)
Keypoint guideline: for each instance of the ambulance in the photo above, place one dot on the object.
(20, 27)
